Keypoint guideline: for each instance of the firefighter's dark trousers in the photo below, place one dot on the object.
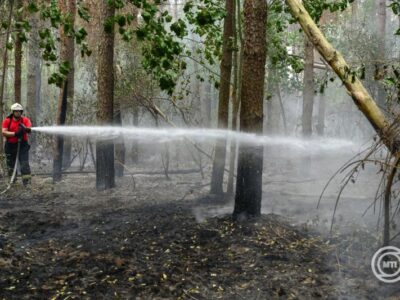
(10, 150)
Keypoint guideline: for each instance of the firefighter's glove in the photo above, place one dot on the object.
(24, 128)
(19, 134)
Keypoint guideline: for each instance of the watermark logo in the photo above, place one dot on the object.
(385, 264)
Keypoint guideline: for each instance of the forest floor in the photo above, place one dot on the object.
(150, 238)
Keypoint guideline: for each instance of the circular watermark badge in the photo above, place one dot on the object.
(385, 264)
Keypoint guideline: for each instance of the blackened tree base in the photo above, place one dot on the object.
(105, 178)
(57, 160)
(217, 178)
(249, 182)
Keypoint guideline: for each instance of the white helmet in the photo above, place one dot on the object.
(16, 106)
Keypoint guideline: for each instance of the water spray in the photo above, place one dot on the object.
(161, 135)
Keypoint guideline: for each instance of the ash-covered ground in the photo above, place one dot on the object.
(158, 238)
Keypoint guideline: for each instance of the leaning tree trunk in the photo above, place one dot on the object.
(70, 57)
(34, 73)
(250, 160)
(217, 178)
(357, 91)
(308, 89)
(17, 57)
(105, 173)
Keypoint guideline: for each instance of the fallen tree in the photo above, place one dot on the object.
(385, 128)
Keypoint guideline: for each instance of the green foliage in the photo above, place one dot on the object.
(123, 21)
(162, 38)
(179, 28)
(160, 47)
(59, 77)
(52, 13)
(286, 63)
(80, 35)
(391, 84)
(32, 7)
(108, 25)
(117, 4)
(4, 25)
(279, 41)
(49, 12)
(317, 7)
(83, 12)
(207, 17)
(395, 6)
(48, 45)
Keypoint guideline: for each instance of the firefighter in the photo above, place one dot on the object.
(15, 129)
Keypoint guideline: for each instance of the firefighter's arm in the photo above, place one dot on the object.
(7, 133)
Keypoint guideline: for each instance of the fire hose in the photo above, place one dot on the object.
(15, 169)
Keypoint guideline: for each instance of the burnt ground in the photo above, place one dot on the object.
(150, 238)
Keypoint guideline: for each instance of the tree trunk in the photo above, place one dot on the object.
(120, 145)
(278, 91)
(250, 160)
(232, 158)
(105, 173)
(217, 178)
(70, 57)
(135, 144)
(66, 7)
(176, 9)
(34, 73)
(381, 55)
(321, 115)
(237, 69)
(273, 110)
(196, 96)
(354, 14)
(308, 89)
(354, 86)
(17, 57)
(398, 57)
(387, 200)
(59, 139)
(4, 71)
(207, 104)
(164, 151)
